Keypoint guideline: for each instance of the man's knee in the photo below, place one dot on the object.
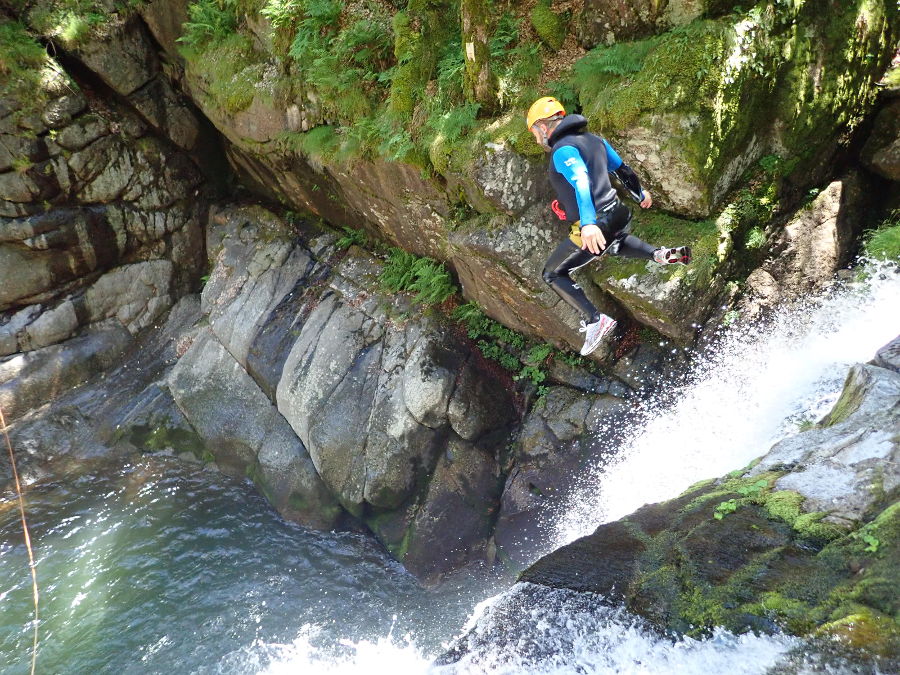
(549, 275)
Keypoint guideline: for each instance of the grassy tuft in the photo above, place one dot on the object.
(73, 22)
(21, 58)
(405, 271)
(884, 243)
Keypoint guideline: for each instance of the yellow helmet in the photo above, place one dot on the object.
(542, 109)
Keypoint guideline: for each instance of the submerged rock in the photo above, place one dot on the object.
(33, 379)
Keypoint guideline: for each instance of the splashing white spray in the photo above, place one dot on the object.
(528, 630)
(739, 400)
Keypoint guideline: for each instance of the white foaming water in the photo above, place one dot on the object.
(533, 630)
(752, 391)
(311, 652)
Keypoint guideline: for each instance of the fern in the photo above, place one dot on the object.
(282, 13)
(539, 353)
(432, 282)
(620, 59)
(450, 68)
(208, 20)
(404, 271)
(352, 237)
(366, 43)
(453, 123)
(398, 274)
(506, 33)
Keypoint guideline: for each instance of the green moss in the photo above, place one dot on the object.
(73, 22)
(700, 607)
(698, 486)
(791, 613)
(162, 437)
(619, 83)
(414, 37)
(23, 62)
(253, 471)
(816, 69)
(865, 630)
(549, 26)
(784, 505)
(661, 229)
(884, 243)
(834, 60)
(848, 403)
(742, 490)
(231, 69)
(394, 530)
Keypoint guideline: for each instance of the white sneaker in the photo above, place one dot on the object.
(595, 332)
(671, 256)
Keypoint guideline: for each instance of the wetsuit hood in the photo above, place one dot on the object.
(571, 124)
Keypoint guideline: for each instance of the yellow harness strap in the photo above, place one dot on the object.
(575, 233)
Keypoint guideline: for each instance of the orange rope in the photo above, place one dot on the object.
(34, 586)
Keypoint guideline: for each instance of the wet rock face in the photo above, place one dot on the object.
(127, 61)
(568, 431)
(100, 393)
(805, 541)
(547, 457)
(846, 464)
(243, 430)
(400, 420)
(881, 153)
(814, 245)
(31, 379)
(100, 222)
(100, 232)
(386, 417)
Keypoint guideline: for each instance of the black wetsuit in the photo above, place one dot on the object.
(579, 168)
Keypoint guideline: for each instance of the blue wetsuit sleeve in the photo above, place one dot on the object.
(568, 162)
(613, 161)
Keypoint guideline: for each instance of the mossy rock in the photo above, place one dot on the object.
(867, 631)
(852, 396)
(230, 70)
(764, 565)
(717, 93)
(550, 26)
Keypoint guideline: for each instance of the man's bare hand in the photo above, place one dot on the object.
(647, 201)
(592, 239)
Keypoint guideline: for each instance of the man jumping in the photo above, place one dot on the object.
(579, 168)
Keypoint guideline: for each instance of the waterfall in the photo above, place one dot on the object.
(760, 383)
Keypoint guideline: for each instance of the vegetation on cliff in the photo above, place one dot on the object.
(24, 66)
(390, 82)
